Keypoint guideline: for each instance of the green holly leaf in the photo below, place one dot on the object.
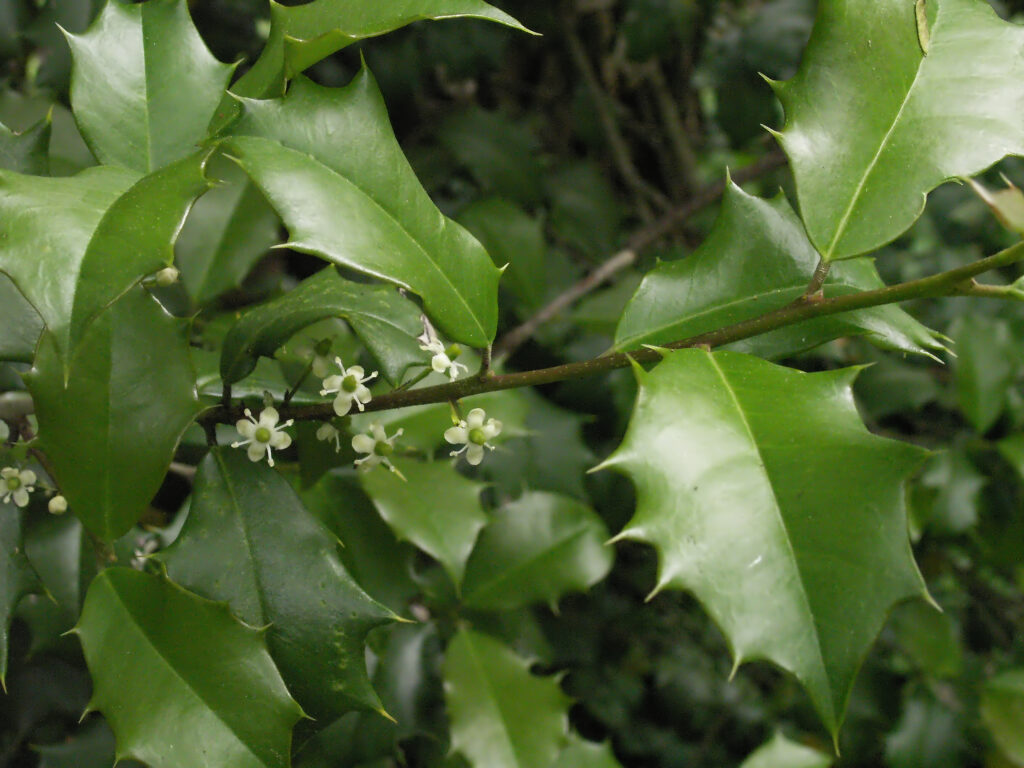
(386, 321)
(302, 35)
(535, 550)
(130, 392)
(144, 86)
(502, 715)
(780, 752)
(21, 323)
(1002, 711)
(767, 498)
(984, 367)
(330, 165)
(245, 532)
(929, 734)
(93, 235)
(179, 679)
(756, 260)
(586, 754)
(17, 577)
(227, 232)
(873, 123)
(26, 152)
(434, 508)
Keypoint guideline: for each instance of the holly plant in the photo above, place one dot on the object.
(379, 507)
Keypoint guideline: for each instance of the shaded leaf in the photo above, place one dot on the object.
(130, 392)
(780, 752)
(767, 498)
(928, 735)
(144, 86)
(73, 245)
(584, 210)
(586, 754)
(21, 323)
(756, 260)
(17, 577)
(1002, 711)
(985, 364)
(180, 680)
(534, 550)
(873, 124)
(435, 508)
(929, 638)
(329, 163)
(502, 716)
(91, 746)
(244, 535)
(387, 322)
(26, 152)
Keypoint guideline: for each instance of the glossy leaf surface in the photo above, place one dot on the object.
(144, 86)
(329, 163)
(245, 533)
(534, 550)
(873, 124)
(780, 752)
(758, 259)
(386, 321)
(1002, 710)
(17, 577)
(73, 245)
(130, 392)
(797, 554)
(502, 716)
(435, 508)
(180, 680)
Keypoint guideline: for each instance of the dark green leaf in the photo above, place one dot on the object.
(26, 152)
(129, 391)
(245, 533)
(928, 735)
(929, 638)
(780, 752)
(330, 165)
(435, 508)
(757, 260)
(535, 550)
(17, 577)
(21, 323)
(873, 124)
(586, 754)
(91, 746)
(584, 210)
(387, 322)
(985, 364)
(144, 86)
(181, 681)
(1002, 710)
(502, 716)
(768, 499)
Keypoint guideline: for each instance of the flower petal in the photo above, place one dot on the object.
(342, 403)
(475, 454)
(28, 477)
(455, 435)
(475, 419)
(255, 451)
(21, 497)
(245, 428)
(269, 417)
(280, 440)
(440, 362)
(363, 444)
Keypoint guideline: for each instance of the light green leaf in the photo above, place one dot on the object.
(514, 238)
(756, 260)
(302, 35)
(586, 754)
(1006, 204)
(144, 86)
(129, 391)
(17, 577)
(986, 362)
(329, 163)
(780, 752)
(245, 532)
(226, 233)
(434, 508)
(767, 498)
(26, 152)
(91, 236)
(1002, 711)
(387, 322)
(180, 680)
(873, 124)
(502, 716)
(535, 550)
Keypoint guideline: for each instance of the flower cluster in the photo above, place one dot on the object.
(473, 433)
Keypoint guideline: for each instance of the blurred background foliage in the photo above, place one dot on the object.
(556, 150)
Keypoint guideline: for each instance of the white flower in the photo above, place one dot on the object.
(58, 505)
(263, 435)
(474, 433)
(378, 447)
(17, 485)
(167, 276)
(328, 432)
(350, 386)
(443, 360)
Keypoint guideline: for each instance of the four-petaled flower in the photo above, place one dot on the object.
(263, 435)
(443, 360)
(328, 432)
(350, 386)
(473, 432)
(378, 447)
(17, 485)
